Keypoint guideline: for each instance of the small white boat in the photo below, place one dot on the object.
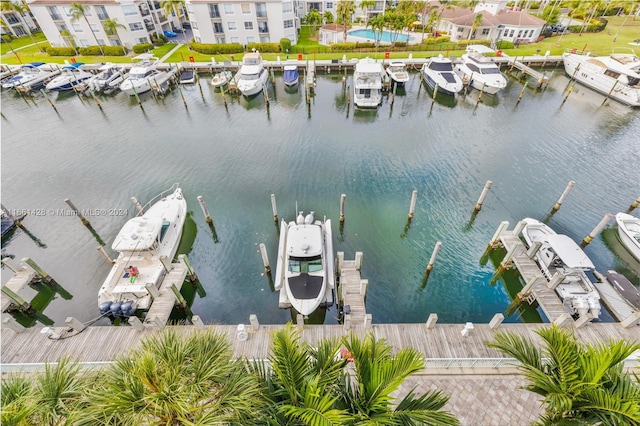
(629, 233)
(438, 73)
(109, 77)
(221, 78)
(367, 83)
(144, 76)
(397, 71)
(252, 76)
(142, 244)
(616, 75)
(480, 71)
(70, 77)
(560, 254)
(29, 75)
(305, 274)
(187, 76)
(290, 75)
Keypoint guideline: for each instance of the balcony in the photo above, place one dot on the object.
(56, 17)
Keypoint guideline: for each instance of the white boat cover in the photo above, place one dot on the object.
(570, 253)
(139, 233)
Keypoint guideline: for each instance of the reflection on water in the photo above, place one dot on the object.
(237, 156)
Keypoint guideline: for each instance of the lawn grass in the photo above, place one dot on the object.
(597, 43)
(23, 41)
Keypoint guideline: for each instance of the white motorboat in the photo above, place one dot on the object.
(397, 71)
(481, 72)
(29, 75)
(559, 254)
(367, 83)
(221, 78)
(616, 75)
(70, 77)
(625, 288)
(252, 76)
(187, 76)
(305, 274)
(290, 75)
(629, 233)
(438, 73)
(109, 77)
(143, 243)
(144, 76)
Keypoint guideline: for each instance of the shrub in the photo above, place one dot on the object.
(285, 44)
(365, 44)
(504, 44)
(159, 42)
(464, 43)
(142, 47)
(61, 51)
(264, 47)
(90, 51)
(115, 50)
(216, 49)
(338, 47)
(400, 44)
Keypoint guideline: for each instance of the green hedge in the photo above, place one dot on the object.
(115, 50)
(264, 47)
(90, 51)
(61, 51)
(504, 44)
(285, 44)
(339, 47)
(465, 43)
(142, 48)
(216, 49)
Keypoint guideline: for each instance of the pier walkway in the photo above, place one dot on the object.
(352, 289)
(163, 303)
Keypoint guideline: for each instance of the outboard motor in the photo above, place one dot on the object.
(309, 219)
(128, 308)
(115, 308)
(300, 219)
(105, 307)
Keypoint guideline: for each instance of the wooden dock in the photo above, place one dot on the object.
(163, 303)
(547, 298)
(352, 290)
(619, 308)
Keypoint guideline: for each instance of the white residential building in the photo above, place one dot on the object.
(241, 21)
(140, 20)
(18, 24)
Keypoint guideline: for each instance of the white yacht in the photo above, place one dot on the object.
(305, 274)
(481, 72)
(221, 78)
(560, 254)
(252, 76)
(629, 233)
(438, 73)
(398, 73)
(616, 75)
(29, 75)
(144, 75)
(70, 77)
(367, 83)
(143, 243)
(109, 77)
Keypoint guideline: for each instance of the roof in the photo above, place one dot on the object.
(333, 27)
(570, 253)
(464, 17)
(68, 2)
(522, 19)
(369, 66)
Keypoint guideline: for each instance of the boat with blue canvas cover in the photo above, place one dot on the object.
(70, 77)
(29, 75)
(291, 75)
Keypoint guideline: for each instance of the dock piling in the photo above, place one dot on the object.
(521, 92)
(22, 304)
(84, 220)
(274, 207)
(483, 195)
(197, 322)
(569, 90)
(634, 205)
(135, 323)
(435, 93)
(180, 300)
(432, 320)
(253, 320)
(7, 213)
(603, 222)
(555, 280)
(566, 191)
(412, 207)
(432, 260)
(138, 205)
(13, 325)
(534, 249)
(49, 100)
(191, 273)
(205, 211)
(74, 323)
(300, 321)
(40, 273)
(343, 197)
(495, 240)
(496, 321)
(106, 256)
(265, 258)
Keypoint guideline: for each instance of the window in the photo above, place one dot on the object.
(228, 9)
(329, 5)
(11, 18)
(102, 13)
(101, 42)
(67, 11)
(136, 26)
(53, 12)
(129, 9)
(84, 43)
(214, 11)
(232, 26)
(194, 25)
(235, 40)
(316, 6)
(217, 27)
(220, 40)
(519, 33)
(287, 7)
(95, 28)
(77, 27)
(264, 39)
(261, 10)
(263, 27)
(485, 31)
(288, 23)
(248, 25)
(142, 40)
(115, 42)
(251, 40)
(460, 29)
(246, 8)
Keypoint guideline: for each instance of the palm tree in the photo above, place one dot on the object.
(365, 5)
(66, 35)
(327, 17)
(477, 21)
(173, 379)
(20, 9)
(314, 19)
(301, 382)
(79, 10)
(377, 24)
(111, 29)
(580, 384)
(173, 6)
(378, 374)
(344, 10)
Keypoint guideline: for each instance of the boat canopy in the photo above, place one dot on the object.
(570, 253)
(305, 240)
(139, 233)
(291, 74)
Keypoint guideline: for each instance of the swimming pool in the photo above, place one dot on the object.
(386, 35)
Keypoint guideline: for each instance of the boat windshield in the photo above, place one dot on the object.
(255, 76)
(441, 66)
(490, 70)
(305, 264)
(163, 230)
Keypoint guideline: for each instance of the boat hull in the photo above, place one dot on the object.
(437, 83)
(629, 233)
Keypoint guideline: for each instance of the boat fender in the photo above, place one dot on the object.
(115, 308)
(300, 219)
(105, 307)
(309, 218)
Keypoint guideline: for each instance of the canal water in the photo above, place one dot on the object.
(237, 156)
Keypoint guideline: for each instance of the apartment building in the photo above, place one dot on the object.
(137, 21)
(17, 24)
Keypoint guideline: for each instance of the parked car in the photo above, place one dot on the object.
(169, 33)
